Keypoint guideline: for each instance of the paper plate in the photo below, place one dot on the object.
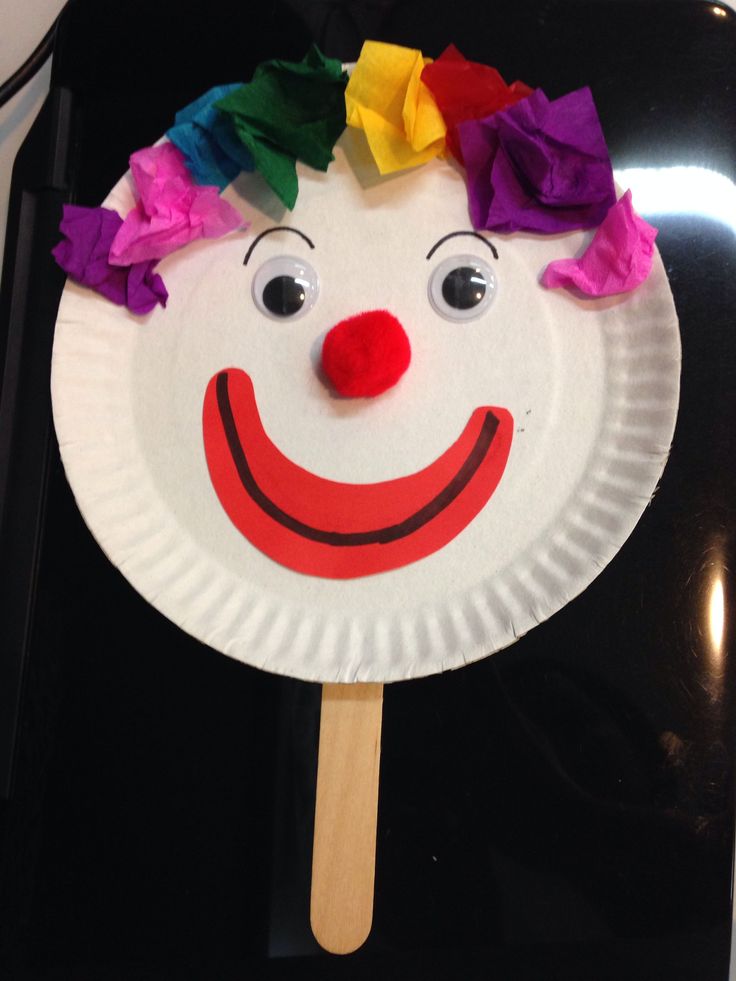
(590, 388)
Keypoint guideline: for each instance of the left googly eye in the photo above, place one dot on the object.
(285, 287)
(462, 287)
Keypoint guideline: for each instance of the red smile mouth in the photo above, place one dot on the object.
(337, 530)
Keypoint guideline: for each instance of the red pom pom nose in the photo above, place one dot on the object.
(366, 354)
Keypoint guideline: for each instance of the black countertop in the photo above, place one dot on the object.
(561, 810)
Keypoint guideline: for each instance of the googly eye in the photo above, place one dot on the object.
(285, 288)
(462, 287)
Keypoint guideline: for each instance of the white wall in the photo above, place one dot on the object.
(23, 26)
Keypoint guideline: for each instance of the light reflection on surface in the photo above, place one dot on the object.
(681, 191)
(716, 616)
(714, 623)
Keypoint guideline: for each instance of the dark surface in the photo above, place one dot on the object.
(561, 810)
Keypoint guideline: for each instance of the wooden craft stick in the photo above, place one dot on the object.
(344, 856)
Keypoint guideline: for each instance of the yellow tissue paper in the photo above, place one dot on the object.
(387, 98)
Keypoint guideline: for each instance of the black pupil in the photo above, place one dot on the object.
(284, 295)
(464, 288)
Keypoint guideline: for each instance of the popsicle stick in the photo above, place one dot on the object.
(344, 855)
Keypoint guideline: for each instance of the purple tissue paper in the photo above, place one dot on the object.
(538, 166)
(83, 254)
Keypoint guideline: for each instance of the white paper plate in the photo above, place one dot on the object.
(593, 387)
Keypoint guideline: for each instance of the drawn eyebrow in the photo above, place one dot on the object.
(276, 228)
(444, 238)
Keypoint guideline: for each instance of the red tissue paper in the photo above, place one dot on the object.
(466, 90)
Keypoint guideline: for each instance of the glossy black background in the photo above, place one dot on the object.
(561, 810)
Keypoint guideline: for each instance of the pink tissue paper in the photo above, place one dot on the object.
(171, 211)
(617, 260)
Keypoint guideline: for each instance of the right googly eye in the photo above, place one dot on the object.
(285, 288)
(462, 288)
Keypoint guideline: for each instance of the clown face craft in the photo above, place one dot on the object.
(363, 442)
(353, 346)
